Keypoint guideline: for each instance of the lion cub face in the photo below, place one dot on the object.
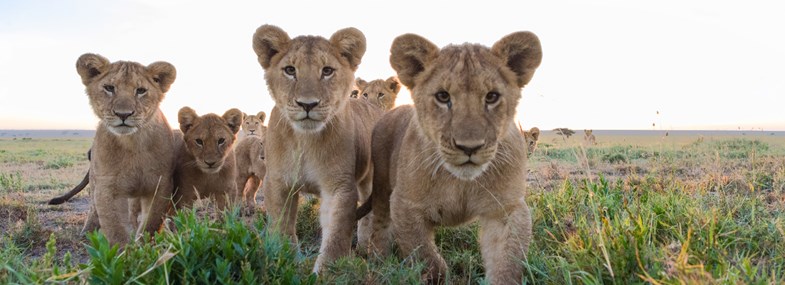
(530, 137)
(309, 76)
(209, 138)
(381, 93)
(124, 95)
(465, 95)
(253, 125)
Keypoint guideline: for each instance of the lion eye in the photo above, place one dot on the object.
(492, 97)
(365, 95)
(381, 95)
(443, 97)
(289, 70)
(141, 91)
(199, 142)
(221, 141)
(109, 88)
(327, 71)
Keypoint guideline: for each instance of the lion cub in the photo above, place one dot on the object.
(251, 168)
(253, 125)
(321, 139)
(132, 157)
(379, 92)
(206, 163)
(530, 137)
(455, 156)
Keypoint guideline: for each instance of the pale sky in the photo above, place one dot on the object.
(606, 64)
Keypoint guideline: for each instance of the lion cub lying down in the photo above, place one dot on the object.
(132, 157)
(459, 157)
(206, 163)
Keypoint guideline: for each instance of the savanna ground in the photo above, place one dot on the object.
(631, 209)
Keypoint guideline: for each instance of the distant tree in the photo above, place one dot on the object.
(564, 132)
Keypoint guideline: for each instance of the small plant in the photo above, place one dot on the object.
(614, 158)
(11, 182)
(60, 162)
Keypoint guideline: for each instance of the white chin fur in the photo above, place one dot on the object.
(308, 126)
(122, 130)
(467, 172)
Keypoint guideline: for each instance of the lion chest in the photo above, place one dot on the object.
(129, 171)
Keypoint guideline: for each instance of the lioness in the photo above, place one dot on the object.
(251, 168)
(456, 155)
(320, 139)
(254, 124)
(133, 149)
(206, 163)
(379, 92)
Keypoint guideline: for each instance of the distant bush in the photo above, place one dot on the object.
(10, 182)
(60, 162)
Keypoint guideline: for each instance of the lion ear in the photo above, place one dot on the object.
(350, 43)
(360, 83)
(163, 73)
(535, 133)
(409, 55)
(522, 53)
(187, 117)
(393, 84)
(261, 115)
(90, 65)
(234, 119)
(269, 41)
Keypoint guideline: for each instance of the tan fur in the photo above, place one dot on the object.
(449, 163)
(206, 163)
(251, 167)
(325, 150)
(588, 137)
(379, 92)
(254, 124)
(530, 137)
(133, 150)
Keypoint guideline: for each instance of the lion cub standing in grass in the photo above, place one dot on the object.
(319, 140)
(456, 155)
(133, 150)
(249, 151)
(206, 164)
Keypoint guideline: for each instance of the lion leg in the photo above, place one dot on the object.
(365, 225)
(337, 217)
(504, 243)
(135, 212)
(380, 213)
(113, 215)
(91, 224)
(251, 190)
(416, 237)
(157, 206)
(281, 203)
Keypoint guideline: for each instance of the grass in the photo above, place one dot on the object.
(697, 211)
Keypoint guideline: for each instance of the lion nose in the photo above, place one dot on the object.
(308, 106)
(469, 148)
(123, 115)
